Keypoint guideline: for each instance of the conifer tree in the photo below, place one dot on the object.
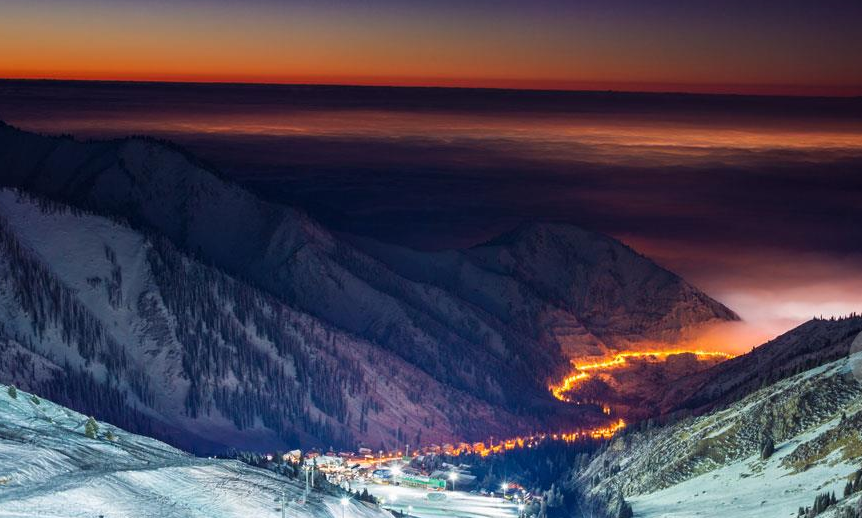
(767, 448)
(91, 428)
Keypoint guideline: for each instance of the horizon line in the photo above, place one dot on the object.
(659, 90)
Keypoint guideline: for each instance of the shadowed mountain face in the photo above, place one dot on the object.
(492, 323)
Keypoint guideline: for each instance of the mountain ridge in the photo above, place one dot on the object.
(692, 465)
(498, 336)
(806, 346)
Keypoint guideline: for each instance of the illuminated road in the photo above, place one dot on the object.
(582, 372)
(457, 504)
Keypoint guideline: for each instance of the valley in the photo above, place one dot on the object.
(140, 286)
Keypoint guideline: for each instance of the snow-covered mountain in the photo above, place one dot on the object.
(49, 466)
(717, 461)
(583, 291)
(121, 325)
(191, 274)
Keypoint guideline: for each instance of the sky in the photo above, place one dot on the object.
(772, 47)
(755, 200)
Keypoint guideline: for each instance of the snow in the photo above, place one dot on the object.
(734, 484)
(455, 503)
(748, 488)
(49, 468)
(73, 247)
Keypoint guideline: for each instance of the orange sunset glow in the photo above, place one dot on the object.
(506, 45)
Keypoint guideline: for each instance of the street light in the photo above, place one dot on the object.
(344, 502)
(520, 510)
(453, 477)
(396, 472)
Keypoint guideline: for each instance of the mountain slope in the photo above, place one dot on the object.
(159, 188)
(49, 467)
(811, 344)
(510, 305)
(695, 466)
(295, 306)
(123, 326)
(584, 291)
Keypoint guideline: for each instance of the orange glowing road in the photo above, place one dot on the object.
(582, 371)
(496, 447)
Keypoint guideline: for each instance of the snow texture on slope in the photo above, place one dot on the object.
(50, 468)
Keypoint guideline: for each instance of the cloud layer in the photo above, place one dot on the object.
(758, 201)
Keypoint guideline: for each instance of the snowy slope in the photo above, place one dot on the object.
(49, 468)
(701, 465)
(179, 350)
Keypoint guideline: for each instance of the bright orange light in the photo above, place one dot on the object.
(582, 371)
(566, 385)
